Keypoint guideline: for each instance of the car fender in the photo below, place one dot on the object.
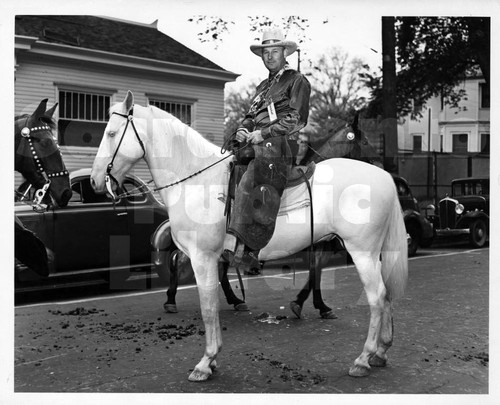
(425, 226)
(469, 217)
(30, 250)
(161, 241)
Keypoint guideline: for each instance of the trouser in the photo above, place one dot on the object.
(259, 192)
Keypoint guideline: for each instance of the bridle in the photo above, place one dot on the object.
(109, 177)
(26, 133)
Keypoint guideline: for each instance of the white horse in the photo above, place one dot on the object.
(350, 198)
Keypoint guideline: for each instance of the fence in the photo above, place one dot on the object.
(430, 175)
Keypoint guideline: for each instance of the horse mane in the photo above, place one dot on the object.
(193, 143)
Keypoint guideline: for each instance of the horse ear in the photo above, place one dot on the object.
(129, 101)
(40, 110)
(50, 112)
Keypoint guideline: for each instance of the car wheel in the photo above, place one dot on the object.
(414, 231)
(175, 257)
(185, 271)
(478, 233)
(425, 243)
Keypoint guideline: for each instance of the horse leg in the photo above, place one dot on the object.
(170, 306)
(379, 359)
(296, 305)
(231, 298)
(321, 259)
(369, 269)
(207, 281)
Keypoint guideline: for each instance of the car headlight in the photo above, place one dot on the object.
(459, 209)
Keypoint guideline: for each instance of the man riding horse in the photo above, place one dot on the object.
(278, 112)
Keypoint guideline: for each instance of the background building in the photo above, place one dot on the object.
(446, 142)
(87, 63)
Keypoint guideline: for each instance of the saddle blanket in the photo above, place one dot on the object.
(293, 198)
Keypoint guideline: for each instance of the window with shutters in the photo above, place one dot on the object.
(82, 117)
(181, 110)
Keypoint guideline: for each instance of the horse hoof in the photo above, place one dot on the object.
(170, 308)
(359, 371)
(241, 307)
(198, 376)
(296, 309)
(377, 361)
(213, 365)
(328, 315)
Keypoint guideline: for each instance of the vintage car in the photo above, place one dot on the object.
(465, 212)
(417, 225)
(92, 237)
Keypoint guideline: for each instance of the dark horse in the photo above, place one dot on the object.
(342, 140)
(39, 160)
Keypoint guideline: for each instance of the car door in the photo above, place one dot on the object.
(144, 215)
(91, 232)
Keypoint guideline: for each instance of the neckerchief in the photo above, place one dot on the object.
(270, 81)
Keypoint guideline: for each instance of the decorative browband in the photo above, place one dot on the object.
(27, 131)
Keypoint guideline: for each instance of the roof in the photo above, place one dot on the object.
(474, 178)
(110, 35)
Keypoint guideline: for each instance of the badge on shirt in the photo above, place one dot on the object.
(272, 112)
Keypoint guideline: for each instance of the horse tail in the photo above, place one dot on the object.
(395, 252)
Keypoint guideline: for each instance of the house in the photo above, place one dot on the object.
(87, 63)
(442, 128)
(458, 139)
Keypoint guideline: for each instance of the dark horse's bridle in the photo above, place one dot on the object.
(27, 133)
(109, 176)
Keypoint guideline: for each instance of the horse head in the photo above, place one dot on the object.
(120, 148)
(37, 154)
(340, 139)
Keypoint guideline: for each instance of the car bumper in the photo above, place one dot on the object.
(452, 232)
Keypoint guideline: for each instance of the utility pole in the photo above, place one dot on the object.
(389, 123)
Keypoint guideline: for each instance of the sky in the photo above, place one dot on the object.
(353, 25)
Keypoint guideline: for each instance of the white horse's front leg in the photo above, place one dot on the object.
(208, 283)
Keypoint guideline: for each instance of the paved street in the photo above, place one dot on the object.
(127, 343)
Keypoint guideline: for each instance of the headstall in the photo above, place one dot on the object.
(40, 193)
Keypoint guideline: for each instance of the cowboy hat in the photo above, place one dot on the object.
(274, 37)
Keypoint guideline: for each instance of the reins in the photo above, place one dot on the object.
(109, 176)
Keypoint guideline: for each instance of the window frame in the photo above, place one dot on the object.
(65, 120)
(154, 99)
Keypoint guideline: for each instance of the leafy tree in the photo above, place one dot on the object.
(335, 77)
(434, 55)
(337, 91)
(236, 104)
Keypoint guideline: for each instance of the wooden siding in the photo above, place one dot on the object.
(36, 80)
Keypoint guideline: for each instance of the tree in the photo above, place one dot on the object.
(334, 77)
(434, 55)
(236, 104)
(337, 91)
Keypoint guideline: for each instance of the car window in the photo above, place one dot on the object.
(84, 193)
(135, 191)
(403, 190)
(482, 188)
(457, 189)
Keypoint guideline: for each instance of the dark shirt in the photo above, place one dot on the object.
(289, 90)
